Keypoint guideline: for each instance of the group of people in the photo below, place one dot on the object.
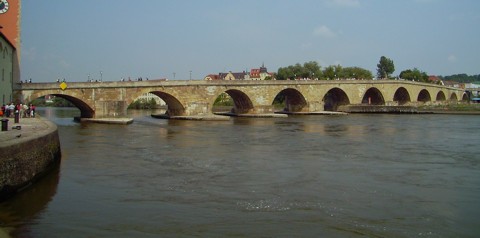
(23, 110)
(26, 81)
(129, 79)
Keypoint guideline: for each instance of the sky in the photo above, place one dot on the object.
(183, 39)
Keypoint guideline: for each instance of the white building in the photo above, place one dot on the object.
(150, 96)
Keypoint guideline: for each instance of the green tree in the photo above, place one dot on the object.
(414, 75)
(333, 72)
(385, 67)
(143, 104)
(309, 69)
(329, 73)
(61, 102)
(356, 73)
(285, 73)
(462, 78)
(223, 100)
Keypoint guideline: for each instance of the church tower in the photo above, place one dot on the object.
(10, 12)
(10, 21)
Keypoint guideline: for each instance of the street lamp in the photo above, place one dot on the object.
(190, 75)
(101, 76)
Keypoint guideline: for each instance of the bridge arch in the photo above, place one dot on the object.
(86, 111)
(241, 101)
(335, 98)
(424, 96)
(174, 106)
(401, 96)
(294, 100)
(465, 97)
(440, 96)
(373, 96)
(453, 97)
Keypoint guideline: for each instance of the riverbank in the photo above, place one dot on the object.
(26, 153)
(458, 109)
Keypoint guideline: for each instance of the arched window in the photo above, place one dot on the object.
(5, 52)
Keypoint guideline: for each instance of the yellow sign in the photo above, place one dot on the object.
(63, 85)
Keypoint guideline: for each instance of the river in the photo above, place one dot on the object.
(357, 175)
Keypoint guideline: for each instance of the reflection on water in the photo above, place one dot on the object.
(26, 205)
(301, 176)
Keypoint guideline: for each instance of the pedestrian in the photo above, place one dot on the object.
(20, 110)
(32, 110)
(26, 112)
(11, 110)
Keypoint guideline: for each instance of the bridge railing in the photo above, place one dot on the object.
(176, 83)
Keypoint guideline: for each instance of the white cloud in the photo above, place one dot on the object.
(324, 31)
(345, 3)
(452, 58)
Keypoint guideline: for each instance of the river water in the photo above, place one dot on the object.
(357, 175)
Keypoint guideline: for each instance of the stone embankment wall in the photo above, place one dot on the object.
(26, 158)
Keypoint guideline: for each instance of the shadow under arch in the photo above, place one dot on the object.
(242, 103)
(25, 205)
(424, 96)
(465, 97)
(174, 107)
(401, 96)
(292, 99)
(440, 96)
(335, 98)
(453, 97)
(373, 96)
(85, 110)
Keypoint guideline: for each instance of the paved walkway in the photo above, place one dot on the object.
(30, 128)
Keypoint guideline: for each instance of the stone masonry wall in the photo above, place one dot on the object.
(22, 162)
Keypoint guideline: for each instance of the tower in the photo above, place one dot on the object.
(10, 12)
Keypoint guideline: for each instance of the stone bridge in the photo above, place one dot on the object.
(197, 97)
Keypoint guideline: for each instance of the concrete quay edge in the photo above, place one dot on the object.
(27, 154)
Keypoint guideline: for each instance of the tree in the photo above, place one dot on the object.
(385, 67)
(311, 70)
(333, 72)
(223, 100)
(329, 73)
(357, 73)
(308, 70)
(462, 78)
(143, 104)
(414, 75)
